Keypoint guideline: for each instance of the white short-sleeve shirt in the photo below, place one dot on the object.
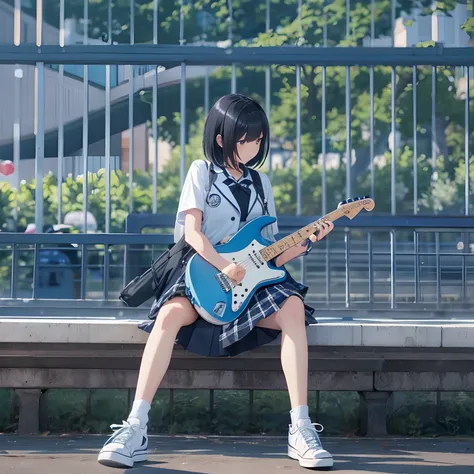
(221, 212)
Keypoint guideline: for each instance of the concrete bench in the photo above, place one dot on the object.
(374, 358)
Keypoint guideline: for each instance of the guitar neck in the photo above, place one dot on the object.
(295, 238)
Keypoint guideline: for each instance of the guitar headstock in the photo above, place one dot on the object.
(352, 207)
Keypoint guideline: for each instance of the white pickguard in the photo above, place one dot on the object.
(257, 271)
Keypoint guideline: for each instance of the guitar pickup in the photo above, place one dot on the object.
(224, 282)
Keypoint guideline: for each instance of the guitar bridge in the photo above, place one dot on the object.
(224, 282)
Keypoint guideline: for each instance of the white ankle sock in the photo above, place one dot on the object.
(140, 409)
(300, 414)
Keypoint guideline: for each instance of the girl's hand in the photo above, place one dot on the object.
(235, 272)
(324, 230)
(301, 248)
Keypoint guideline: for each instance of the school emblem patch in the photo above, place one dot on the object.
(214, 200)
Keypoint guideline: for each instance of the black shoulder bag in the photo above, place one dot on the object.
(153, 281)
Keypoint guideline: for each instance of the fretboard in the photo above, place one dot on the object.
(295, 238)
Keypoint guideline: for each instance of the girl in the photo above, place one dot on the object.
(236, 139)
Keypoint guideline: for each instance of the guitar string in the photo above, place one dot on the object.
(247, 264)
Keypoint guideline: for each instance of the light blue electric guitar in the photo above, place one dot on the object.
(217, 298)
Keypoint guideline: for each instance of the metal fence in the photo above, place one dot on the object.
(411, 164)
(377, 266)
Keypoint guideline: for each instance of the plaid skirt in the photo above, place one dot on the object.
(242, 334)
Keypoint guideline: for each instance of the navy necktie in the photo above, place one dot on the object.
(241, 191)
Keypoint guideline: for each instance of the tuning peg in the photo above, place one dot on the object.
(356, 198)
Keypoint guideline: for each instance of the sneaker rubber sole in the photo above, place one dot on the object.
(311, 463)
(114, 459)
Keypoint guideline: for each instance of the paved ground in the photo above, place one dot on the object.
(213, 455)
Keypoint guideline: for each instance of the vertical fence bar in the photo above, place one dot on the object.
(85, 122)
(300, 23)
(268, 77)
(438, 270)
(298, 140)
(416, 245)
(83, 271)
(372, 22)
(394, 147)
(181, 22)
(466, 144)
(415, 146)
(14, 271)
(371, 268)
(323, 119)
(131, 143)
(39, 158)
(325, 24)
(372, 131)
(392, 18)
(17, 136)
(39, 22)
(106, 271)
(17, 23)
(154, 119)
(17, 121)
(464, 239)
(182, 134)
(348, 19)
(298, 156)
(155, 21)
(107, 127)
(182, 166)
(35, 271)
(433, 124)
(323, 144)
(154, 113)
(348, 133)
(233, 86)
(132, 21)
(61, 117)
(347, 241)
(392, 269)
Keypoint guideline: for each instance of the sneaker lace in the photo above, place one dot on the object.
(309, 432)
(126, 434)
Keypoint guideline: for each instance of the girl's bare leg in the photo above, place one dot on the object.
(173, 315)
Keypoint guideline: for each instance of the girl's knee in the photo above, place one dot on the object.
(176, 313)
(293, 311)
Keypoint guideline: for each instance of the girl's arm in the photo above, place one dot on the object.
(200, 243)
(196, 239)
(302, 248)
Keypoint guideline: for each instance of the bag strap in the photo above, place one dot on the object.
(212, 176)
(257, 182)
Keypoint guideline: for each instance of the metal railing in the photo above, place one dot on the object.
(385, 263)
(415, 266)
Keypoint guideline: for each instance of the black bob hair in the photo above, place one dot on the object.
(232, 117)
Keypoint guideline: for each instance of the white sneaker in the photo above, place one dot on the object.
(305, 446)
(127, 445)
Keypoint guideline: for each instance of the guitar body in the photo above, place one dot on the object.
(212, 296)
(212, 293)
